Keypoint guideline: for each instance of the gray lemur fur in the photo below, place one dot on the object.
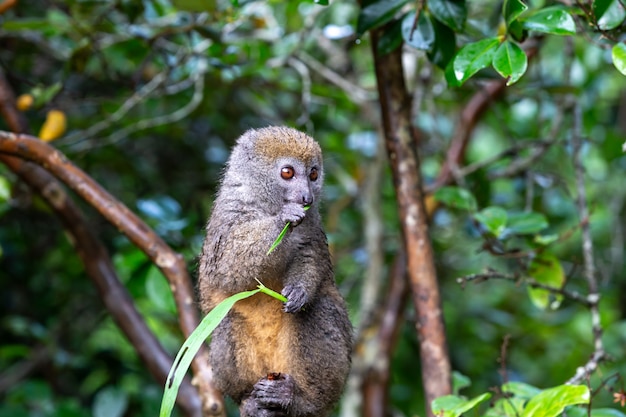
(275, 359)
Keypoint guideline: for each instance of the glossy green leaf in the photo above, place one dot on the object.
(454, 405)
(553, 20)
(618, 53)
(547, 270)
(456, 197)
(493, 219)
(551, 402)
(452, 13)
(191, 346)
(527, 223)
(609, 13)
(421, 37)
(377, 14)
(510, 61)
(473, 57)
(444, 48)
(512, 9)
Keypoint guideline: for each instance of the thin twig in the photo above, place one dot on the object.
(492, 274)
(587, 247)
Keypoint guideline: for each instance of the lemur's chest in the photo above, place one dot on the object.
(266, 343)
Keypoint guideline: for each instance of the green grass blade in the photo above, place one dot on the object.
(282, 235)
(270, 292)
(192, 345)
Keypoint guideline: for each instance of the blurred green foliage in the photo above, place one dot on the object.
(156, 93)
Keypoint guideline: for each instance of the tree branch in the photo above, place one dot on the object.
(171, 264)
(401, 142)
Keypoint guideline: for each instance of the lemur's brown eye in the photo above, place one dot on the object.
(287, 173)
(313, 175)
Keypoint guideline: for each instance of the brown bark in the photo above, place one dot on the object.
(471, 114)
(95, 259)
(171, 264)
(401, 141)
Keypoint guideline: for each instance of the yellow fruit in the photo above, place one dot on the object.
(24, 102)
(54, 126)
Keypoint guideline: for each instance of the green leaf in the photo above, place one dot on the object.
(473, 57)
(158, 290)
(527, 223)
(546, 269)
(281, 235)
(5, 190)
(454, 405)
(459, 381)
(191, 346)
(493, 218)
(452, 13)
(609, 13)
(512, 9)
(510, 61)
(553, 20)
(377, 14)
(551, 402)
(423, 37)
(545, 240)
(456, 197)
(444, 47)
(618, 53)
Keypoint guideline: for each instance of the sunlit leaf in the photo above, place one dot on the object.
(493, 219)
(5, 189)
(553, 20)
(377, 14)
(454, 405)
(547, 270)
(473, 57)
(423, 37)
(609, 13)
(551, 402)
(512, 9)
(618, 53)
(452, 13)
(510, 61)
(456, 197)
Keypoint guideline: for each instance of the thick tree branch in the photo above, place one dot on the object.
(95, 258)
(401, 142)
(469, 118)
(171, 264)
